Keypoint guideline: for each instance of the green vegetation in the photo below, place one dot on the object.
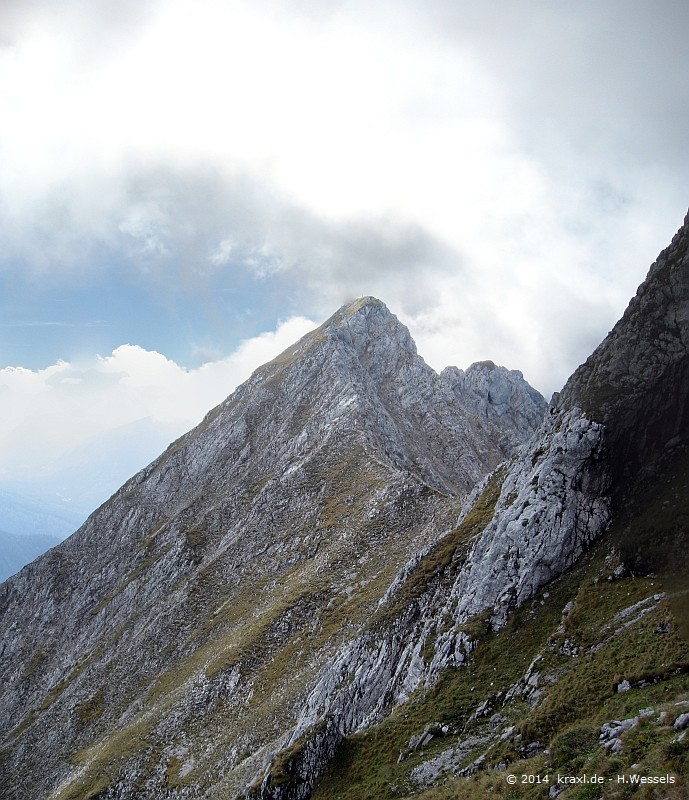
(91, 709)
(451, 549)
(655, 539)
(103, 759)
(579, 694)
(571, 748)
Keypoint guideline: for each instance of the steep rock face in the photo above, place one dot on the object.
(637, 381)
(497, 394)
(167, 646)
(552, 505)
(521, 528)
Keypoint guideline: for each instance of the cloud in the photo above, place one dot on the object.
(48, 413)
(500, 175)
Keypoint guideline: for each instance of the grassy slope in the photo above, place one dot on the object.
(579, 692)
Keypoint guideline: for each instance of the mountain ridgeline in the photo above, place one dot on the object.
(359, 578)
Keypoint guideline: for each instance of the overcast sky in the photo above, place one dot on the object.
(186, 187)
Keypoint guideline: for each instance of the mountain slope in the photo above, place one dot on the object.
(589, 674)
(172, 640)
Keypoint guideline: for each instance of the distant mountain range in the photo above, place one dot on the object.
(358, 578)
(17, 551)
(29, 526)
(24, 514)
(54, 503)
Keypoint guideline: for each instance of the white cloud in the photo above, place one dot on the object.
(360, 112)
(500, 176)
(46, 414)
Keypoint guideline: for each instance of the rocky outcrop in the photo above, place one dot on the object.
(497, 394)
(551, 505)
(636, 382)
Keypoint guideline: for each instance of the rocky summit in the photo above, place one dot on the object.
(358, 578)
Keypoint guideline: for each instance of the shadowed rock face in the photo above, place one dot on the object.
(637, 381)
(170, 643)
(637, 384)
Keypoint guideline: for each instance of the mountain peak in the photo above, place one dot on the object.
(373, 330)
(362, 314)
(362, 303)
(360, 371)
(365, 327)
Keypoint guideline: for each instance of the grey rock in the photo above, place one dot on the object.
(494, 393)
(552, 505)
(531, 749)
(419, 741)
(681, 722)
(613, 730)
(496, 721)
(449, 760)
(535, 697)
(569, 649)
(616, 747)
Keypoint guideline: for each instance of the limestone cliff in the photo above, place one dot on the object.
(637, 381)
